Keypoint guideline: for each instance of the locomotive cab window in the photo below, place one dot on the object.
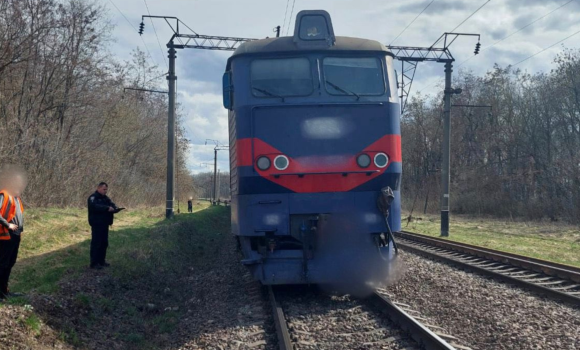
(281, 77)
(353, 76)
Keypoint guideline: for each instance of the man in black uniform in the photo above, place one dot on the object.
(101, 210)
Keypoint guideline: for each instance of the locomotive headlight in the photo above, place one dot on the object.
(281, 162)
(263, 163)
(381, 160)
(363, 160)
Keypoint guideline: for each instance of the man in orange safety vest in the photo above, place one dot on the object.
(13, 183)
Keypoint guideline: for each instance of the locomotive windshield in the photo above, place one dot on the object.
(353, 76)
(281, 77)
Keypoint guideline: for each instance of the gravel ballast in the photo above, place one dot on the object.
(319, 321)
(484, 313)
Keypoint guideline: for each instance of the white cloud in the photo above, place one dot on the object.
(199, 72)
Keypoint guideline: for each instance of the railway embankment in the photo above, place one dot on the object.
(172, 285)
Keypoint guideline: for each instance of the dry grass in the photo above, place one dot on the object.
(554, 241)
(56, 242)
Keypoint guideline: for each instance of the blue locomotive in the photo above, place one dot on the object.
(314, 138)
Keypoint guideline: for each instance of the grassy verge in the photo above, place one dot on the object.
(137, 303)
(56, 242)
(556, 242)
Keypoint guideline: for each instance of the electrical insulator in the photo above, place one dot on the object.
(141, 27)
(477, 46)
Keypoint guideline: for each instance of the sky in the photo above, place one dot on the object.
(531, 28)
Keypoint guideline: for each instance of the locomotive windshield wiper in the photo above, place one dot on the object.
(348, 92)
(268, 93)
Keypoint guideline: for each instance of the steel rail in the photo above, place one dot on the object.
(487, 264)
(571, 273)
(417, 331)
(284, 342)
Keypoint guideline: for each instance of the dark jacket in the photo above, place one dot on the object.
(99, 213)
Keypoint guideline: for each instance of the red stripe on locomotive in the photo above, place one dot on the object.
(307, 174)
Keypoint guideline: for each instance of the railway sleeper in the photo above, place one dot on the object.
(509, 270)
(459, 347)
(374, 331)
(383, 341)
(572, 286)
(485, 265)
(551, 283)
(526, 276)
(536, 280)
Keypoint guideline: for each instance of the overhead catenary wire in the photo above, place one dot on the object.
(459, 25)
(155, 31)
(547, 48)
(517, 31)
(290, 18)
(132, 26)
(471, 15)
(408, 25)
(508, 36)
(285, 14)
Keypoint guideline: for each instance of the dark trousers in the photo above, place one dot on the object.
(189, 208)
(99, 244)
(8, 255)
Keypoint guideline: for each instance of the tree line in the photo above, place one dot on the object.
(64, 116)
(204, 185)
(518, 158)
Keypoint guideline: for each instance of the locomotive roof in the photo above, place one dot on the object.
(287, 44)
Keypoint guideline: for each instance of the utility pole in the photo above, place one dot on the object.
(211, 182)
(446, 167)
(412, 56)
(171, 78)
(214, 173)
(218, 147)
(191, 41)
(218, 184)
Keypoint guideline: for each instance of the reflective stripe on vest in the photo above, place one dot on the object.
(8, 211)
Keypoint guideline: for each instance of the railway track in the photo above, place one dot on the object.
(350, 324)
(551, 279)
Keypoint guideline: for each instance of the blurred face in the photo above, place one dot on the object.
(16, 185)
(103, 190)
